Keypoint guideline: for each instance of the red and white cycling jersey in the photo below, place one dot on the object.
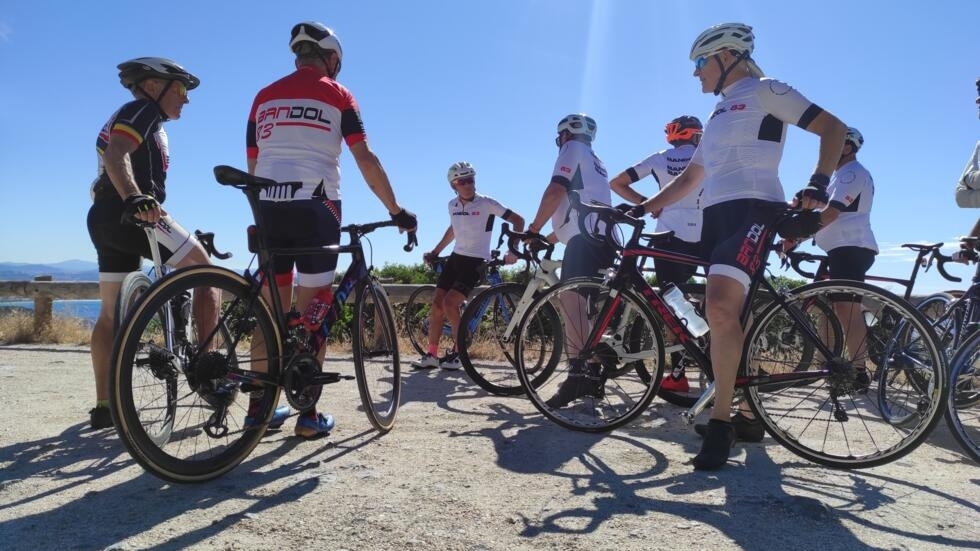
(852, 192)
(684, 216)
(473, 222)
(743, 140)
(294, 133)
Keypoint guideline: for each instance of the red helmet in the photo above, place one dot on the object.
(685, 128)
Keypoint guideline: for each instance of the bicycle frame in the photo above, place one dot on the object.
(627, 275)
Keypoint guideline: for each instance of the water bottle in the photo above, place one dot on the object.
(684, 310)
(316, 315)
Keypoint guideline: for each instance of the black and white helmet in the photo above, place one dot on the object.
(462, 169)
(855, 137)
(578, 124)
(137, 70)
(317, 33)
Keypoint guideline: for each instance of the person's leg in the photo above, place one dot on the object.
(205, 306)
(102, 335)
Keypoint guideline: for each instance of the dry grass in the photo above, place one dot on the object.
(17, 327)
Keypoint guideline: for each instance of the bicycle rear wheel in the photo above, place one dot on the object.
(487, 351)
(186, 391)
(376, 362)
(830, 413)
(963, 404)
(948, 318)
(132, 288)
(417, 311)
(602, 383)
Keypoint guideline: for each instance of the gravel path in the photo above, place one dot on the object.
(461, 470)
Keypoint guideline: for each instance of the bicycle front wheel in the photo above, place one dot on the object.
(963, 404)
(376, 362)
(179, 408)
(948, 317)
(611, 356)
(832, 408)
(488, 331)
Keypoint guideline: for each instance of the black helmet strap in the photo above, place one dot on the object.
(725, 70)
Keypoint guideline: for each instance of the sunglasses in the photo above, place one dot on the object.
(700, 62)
(180, 87)
(465, 182)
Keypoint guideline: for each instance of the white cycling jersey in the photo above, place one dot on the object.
(968, 188)
(743, 140)
(577, 169)
(473, 222)
(852, 192)
(684, 216)
(295, 130)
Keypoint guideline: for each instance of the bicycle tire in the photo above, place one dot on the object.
(836, 420)
(485, 351)
(209, 436)
(624, 388)
(376, 361)
(963, 405)
(417, 310)
(132, 288)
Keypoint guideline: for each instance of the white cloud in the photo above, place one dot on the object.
(5, 31)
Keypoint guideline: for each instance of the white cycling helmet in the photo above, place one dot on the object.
(855, 137)
(727, 36)
(462, 169)
(578, 124)
(320, 35)
(137, 70)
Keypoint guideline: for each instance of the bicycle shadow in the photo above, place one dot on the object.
(100, 519)
(755, 502)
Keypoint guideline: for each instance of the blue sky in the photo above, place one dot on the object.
(484, 81)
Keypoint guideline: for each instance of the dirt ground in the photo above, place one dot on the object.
(461, 470)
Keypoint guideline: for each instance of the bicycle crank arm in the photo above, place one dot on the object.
(698, 407)
(329, 378)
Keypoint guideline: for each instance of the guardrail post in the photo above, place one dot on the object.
(42, 309)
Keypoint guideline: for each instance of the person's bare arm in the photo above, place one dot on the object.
(550, 200)
(831, 131)
(676, 189)
(375, 175)
(622, 186)
(516, 220)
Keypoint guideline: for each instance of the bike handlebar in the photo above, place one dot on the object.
(207, 241)
(530, 252)
(604, 213)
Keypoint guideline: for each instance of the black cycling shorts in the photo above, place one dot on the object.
(584, 257)
(461, 273)
(849, 262)
(675, 272)
(735, 235)
(303, 223)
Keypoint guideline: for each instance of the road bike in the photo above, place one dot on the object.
(820, 408)
(488, 325)
(202, 388)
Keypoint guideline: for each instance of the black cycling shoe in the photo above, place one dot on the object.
(583, 380)
(746, 429)
(719, 439)
(99, 418)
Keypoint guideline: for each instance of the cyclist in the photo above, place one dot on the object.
(295, 129)
(737, 161)
(471, 218)
(683, 218)
(845, 235)
(133, 156)
(968, 188)
(577, 169)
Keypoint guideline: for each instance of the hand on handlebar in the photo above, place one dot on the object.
(636, 211)
(406, 220)
(141, 208)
